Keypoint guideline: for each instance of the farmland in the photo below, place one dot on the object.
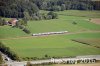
(55, 45)
(7, 31)
(52, 46)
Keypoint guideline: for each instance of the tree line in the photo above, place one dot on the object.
(22, 8)
(1, 59)
(8, 52)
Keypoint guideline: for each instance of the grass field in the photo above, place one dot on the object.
(80, 13)
(55, 45)
(52, 45)
(62, 25)
(8, 31)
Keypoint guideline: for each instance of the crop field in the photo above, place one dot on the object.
(92, 42)
(56, 45)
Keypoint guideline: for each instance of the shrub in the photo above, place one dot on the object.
(26, 31)
(1, 59)
(54, 15)
(49, 17)
(34, 17)
(74, 23)
(21, 27)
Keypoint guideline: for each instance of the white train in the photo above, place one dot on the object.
(49, 33)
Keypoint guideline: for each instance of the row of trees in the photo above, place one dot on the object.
(41, 16)
(2, 22)
(22, 8)
(60, 5)
(21, 24)
(8, 52)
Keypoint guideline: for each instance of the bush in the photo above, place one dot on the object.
(49, 17)
(2, 22)
(74, 23)
(26, 31)
(54, 15)
(1, 59)
(34, 17)
(21, 27)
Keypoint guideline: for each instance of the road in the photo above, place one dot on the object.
(23, 63)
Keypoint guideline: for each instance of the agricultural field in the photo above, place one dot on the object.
(75, 22)
(92, 42)
(52, 46)
(9, 32)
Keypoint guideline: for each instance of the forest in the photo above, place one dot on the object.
(20, 8)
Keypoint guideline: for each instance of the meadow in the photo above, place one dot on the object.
(55, 45)
(9, 32)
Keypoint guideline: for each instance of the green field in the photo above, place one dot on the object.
(8, 32)
(93, 42)
(52, 45)
(55, 45)
(64, 22)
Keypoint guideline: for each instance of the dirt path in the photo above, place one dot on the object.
(94, 64)
(69, 33)
(96, 21)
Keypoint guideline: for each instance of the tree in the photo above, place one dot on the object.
(63, 7)
(22, 22)
(54, 15)
(26, 31)
(1, 59)
(26, 16)
(2, 22)
(8, 52)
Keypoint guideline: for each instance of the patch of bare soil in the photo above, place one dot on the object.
(96, 21)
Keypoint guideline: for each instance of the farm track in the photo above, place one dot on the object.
(69, 33)
(22, 63)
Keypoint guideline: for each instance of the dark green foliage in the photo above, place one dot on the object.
(74, 23)
(2, 22)
(46, 56)
(1, 59)
(26, 31)
(21, 27)
(48, 17)
(8, 52)
(16, 8)
(26, 8)
(54, 15)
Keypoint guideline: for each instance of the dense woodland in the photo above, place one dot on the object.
(22, 8)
